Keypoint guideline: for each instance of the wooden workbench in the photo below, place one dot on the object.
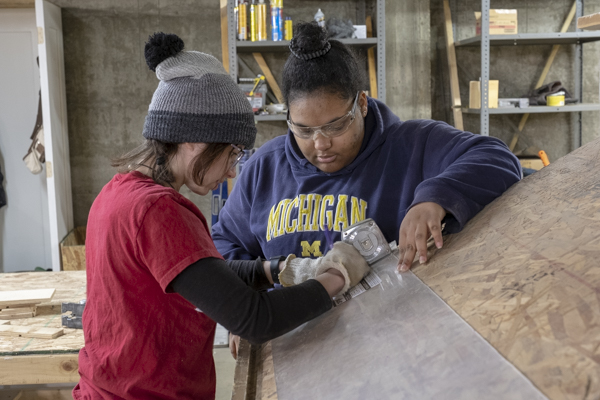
(524, 273)
(27, 361)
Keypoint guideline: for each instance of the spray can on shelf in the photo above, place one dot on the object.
(289, 29)
(243, 20)
(275, 28)
(261, 20)
(281, 21)
(236, 14)
(320, 18)
(253, 24)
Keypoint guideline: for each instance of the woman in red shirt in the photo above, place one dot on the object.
(155, 282)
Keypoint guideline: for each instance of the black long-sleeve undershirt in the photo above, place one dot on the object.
(228, 294)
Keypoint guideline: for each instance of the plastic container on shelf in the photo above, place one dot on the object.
(253, 22)
(243, 20)
(275, 28)
(320, 18)
(261, 21)
(289, 29)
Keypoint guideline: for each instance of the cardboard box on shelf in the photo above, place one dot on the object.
(589, 22)
(532, 162)
(475, 94)
(502, 22)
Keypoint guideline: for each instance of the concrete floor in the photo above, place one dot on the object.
(225, 366)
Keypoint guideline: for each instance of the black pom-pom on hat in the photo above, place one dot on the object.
(161, 46)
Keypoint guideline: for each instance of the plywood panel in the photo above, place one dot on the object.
(39, 369)
(12, 297)
(70, 287)
(524, 273)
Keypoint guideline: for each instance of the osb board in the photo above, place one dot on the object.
(72, 250)
(524, 273)
(70, 287)
(17, 3)
(254, 373)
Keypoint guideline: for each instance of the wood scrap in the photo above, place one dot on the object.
(270, 78)
(371, 60)
(23, 298)
(17, 316)
(19, 310)
(4, 322)
(453, 70)
(36, 332)
(13, 306)
(224, 35)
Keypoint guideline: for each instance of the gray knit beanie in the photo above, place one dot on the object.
(196, 100)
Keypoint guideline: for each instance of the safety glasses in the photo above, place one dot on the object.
(238, 156)
(332, 129)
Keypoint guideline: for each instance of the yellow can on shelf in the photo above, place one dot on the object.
(555, 100)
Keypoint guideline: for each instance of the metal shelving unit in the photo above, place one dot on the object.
(485, 41)
(538, 109)
(533, 39)
(270, 117)
(236, 47)
(283, 45)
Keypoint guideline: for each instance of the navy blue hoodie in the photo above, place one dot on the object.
(281, 202)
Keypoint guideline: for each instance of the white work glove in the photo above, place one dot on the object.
(343, 257)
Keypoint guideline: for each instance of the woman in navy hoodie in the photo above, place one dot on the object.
(346, 157)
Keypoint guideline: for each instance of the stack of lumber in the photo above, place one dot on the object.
(17, 304)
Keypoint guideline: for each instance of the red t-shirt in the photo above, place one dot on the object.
(140, 341)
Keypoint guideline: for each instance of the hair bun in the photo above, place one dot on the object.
(309, 41)
(161, 46)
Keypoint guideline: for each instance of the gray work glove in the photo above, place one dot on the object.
(343, 257)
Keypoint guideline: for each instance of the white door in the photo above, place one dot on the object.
(24, 223)
(54, 107)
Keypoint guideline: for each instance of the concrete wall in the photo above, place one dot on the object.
(518, 69)
(408, 65)
(24, 221)
(109, 85)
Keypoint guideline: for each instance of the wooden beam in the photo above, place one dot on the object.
(224, 35)
(18, 297)
(267, 73)
(39, 369)
(453, 70)
(371, 60)
(38, 332)
(540, 82)
(17, 3)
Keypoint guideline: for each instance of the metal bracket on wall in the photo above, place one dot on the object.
(380, 25)
(485, 68)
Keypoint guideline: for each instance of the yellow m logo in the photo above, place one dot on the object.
(313, 249)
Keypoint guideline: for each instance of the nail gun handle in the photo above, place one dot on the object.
(260, 79)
